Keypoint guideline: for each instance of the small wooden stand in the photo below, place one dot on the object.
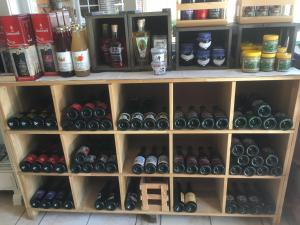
(162, 189)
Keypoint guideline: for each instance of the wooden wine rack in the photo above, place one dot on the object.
(183, 88)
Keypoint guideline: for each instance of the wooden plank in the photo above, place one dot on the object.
(204, 5)
(195, 23)
(265, 19)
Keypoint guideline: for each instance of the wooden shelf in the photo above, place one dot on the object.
(175, 88)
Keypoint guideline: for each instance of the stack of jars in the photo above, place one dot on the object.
(265, 58)
(201, 53)
(272, 10)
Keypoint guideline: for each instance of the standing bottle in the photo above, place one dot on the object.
(179, 119)
(191, 161)
(179, 162)
(190, 202)
(207, 119)
(163, 161)
(105, 44)
(133, 194)
(116, 49)
(193, 121)
(113, 198)
(80, 52)
(178, 198)
(102, 196)
(139, 161)
(239, 120)
(63, 53)
(151, 161)
(215, 13)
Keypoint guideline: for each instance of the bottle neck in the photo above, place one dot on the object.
(141, 28)
(115, 35)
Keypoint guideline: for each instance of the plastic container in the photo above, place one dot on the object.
(283, 62)
(204, 40)
(187, 54)
(270, 43)
(275, 10)
(251, 61)
(218, 56)
(203, 57)
(267, 62)
(159, 68)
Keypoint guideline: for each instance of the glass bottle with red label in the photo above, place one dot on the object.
(63, 53)
(80, 52)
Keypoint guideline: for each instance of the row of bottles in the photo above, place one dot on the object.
(255, 113)
(108, 197)
(248, 158)
(247, 198)
(138, 114)
(88, 116)
(56, 194)
(150, 161)
(45, 159)
(184, 200)
(33, 119)
(200, 118)
(203, 161)
(100, 159)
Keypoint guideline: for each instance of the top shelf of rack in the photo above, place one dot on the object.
(171, 76)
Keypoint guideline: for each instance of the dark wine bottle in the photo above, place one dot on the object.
(93, 125)
(204, 164)
(237, 148)
(251, 147)
(260, 107)
(111, 165)
(178, 198)
(38, 121)
(207, 119)
(283, 121)
(276, 171)
(14, 121)
(27, 162)
(179, 162)
(231, 205)
(191, 161)
(73, 112)
(151, 162)
(49, 165)
(163, 161)
(113, 198)
(60, 166)
(48, 198)
(106, 122)
(103, 195)
(88, 164)
(76, 167)
(257, 161)
(241, 198)
(179, 119)
(162, 120)
(37, 198)
(137, 120)
(221, 120)
(101, 161)
(190, 201)
(80, 125)
(269, 123)
(37, 166)
(193, 121)
(217, 163)
(87, 111)
(239, 120)
(262, 171)
(124, 121)
(58, 201)
(133, 194)
(256, 206)
(100, 109)
(271, 158)
(50, 121)
(150, 120)
(254, 121)
(81, 153)
(26, 121)
(69, 203)
(243, 160)
(249, 171)
(68, 124)
(235, 169)
(139, 162)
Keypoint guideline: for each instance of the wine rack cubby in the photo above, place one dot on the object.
(280, 90)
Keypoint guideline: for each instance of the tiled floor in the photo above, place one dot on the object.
(11, 215)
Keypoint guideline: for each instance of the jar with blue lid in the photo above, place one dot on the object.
(204, 40)
(218, 56)
(203, 57)
(187, 54)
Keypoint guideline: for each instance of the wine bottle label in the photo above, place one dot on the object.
(178, 114)
(189, 197)
(181, 196)
(116, 54)
(139, 160)
(64, 60)
(163, 159)
(150, 115)
(81, 60)
(84, 150)
(142, 43)
(151, 160)
(138, 116)
(47, 57)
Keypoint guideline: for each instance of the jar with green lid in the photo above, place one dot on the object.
(283, 62)
(270, 43)
(267, 62)
(251, 61)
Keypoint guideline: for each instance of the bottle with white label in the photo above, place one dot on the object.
(80, 52)
(151, 161)
(190, 201)
(139, 162)
(63, 53)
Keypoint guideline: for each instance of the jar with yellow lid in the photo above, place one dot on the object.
(267, 62)
(246, 46)
(270, 43)
(251, 61)
(283, 62)
(281, 49)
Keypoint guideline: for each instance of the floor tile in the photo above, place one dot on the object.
(111, 219)
(283, 221)
(235, 221)
(142, 220)
(65, 219)
(9, 214)
(24, 220)
(184, 220)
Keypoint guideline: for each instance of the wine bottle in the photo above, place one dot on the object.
(67, 124)
(48, 198)
(88, 164)
(26, 121)
(237, 148)
(37, 198)
(100, 109)
(271, 158)
(249, 171)
(137, 120)
(60, 166)
(149, 120)
(93, 125)
(256, 206)
(241, 198)
(87, 111)
(269, 123)
(217, 163)
(133, 194)
(191, 161)
(260, 107)
(81, 153)
(178, 198)
(283, 121)
(204, 164)
(111, 165)
(179, 119)
(27, 162)
(39, 162)
(163, 161)
(254, 122)
(113, 198)
(257, 161)
(101, 161)
(139, 162)
(221, 120)
(276, 171)
(151, 162)
(179, 162)
(38, 121)
(58, 201)
(69, 203)
(106, 122)
(207, 119)
(235, 169)
(190, 201)
(262, 171)
(80, 125)
(251, 147)
(243, 160)
(239, 120)
(193, 121)
(49, 165)
(124, 121)
(231, 205)
(14, 121)
(72, 112)
(50, 121)
(103, 195)
(162, 120)
(76, 167)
